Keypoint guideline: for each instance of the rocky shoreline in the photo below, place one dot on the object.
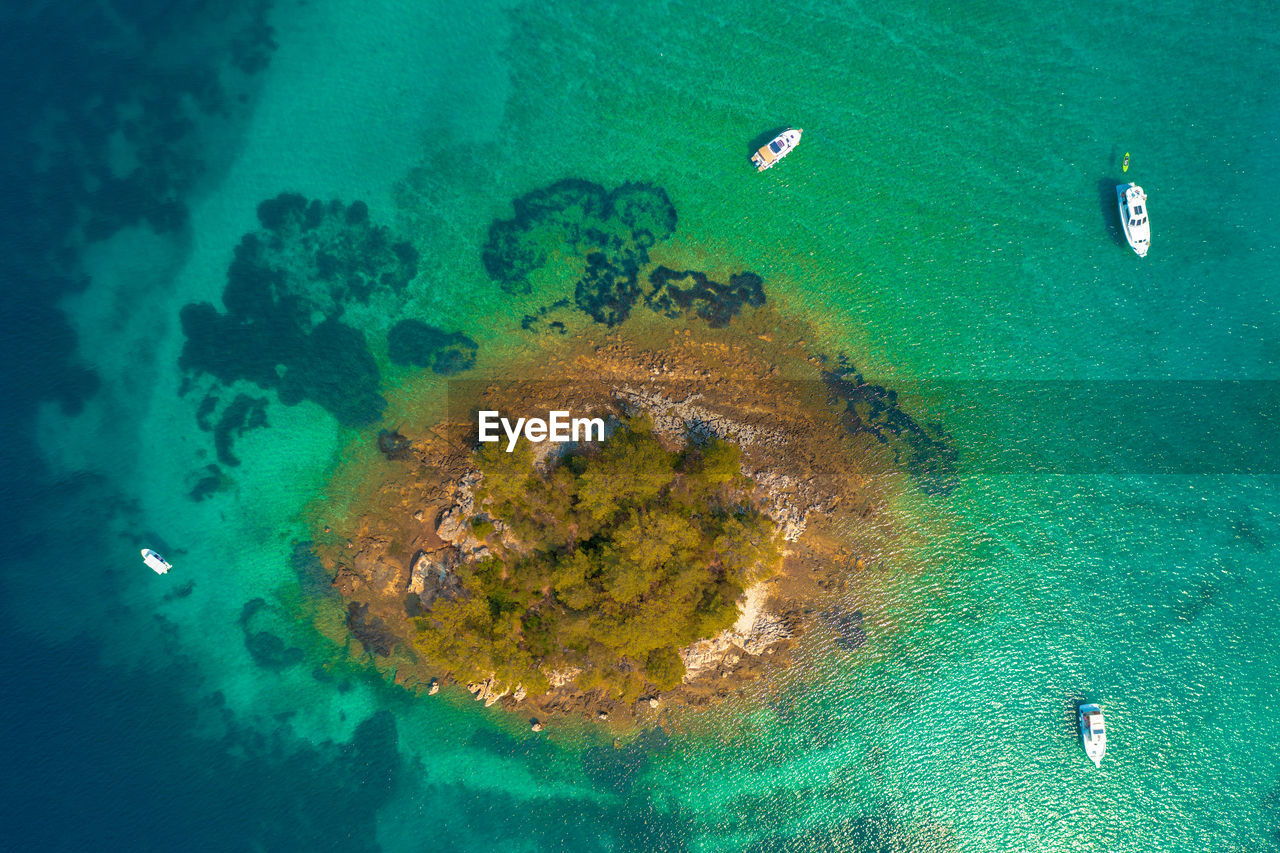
(402, 551)
(755, 634)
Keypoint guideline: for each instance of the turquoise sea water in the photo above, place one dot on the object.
(947, 223)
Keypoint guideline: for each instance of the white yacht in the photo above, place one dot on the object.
(1093, 732)
(1133, 216)
(780, 146)
(157, 563)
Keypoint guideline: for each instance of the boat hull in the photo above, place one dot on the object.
(155, 562)
(767, 156)
(1139, 239)
(1093, 737)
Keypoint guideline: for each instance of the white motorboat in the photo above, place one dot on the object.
(157, 563)
(1133, 217)
(1093, 732)
(780, 146)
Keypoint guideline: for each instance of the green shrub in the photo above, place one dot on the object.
(628, 553)
(664, 668)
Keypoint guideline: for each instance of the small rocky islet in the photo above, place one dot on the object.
(517, 575)
(474, 593)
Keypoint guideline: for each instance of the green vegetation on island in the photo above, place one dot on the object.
(607, 563)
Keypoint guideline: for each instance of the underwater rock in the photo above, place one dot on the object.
(616, 769)
(712, 301)
(313, 578)
(370, 630)
(414, 342)
(550, 319)
(927, 451)
(372, 764)
(607, 291)
(612, 231)
(266, 647)
(181, 591)
(103, 134)
(873, 833)
(337, 372)
(563, 210)
(128, 138)
(269, 651)
(330, 253)
(211, 483)
(287, 289)
(393, 445)
(244, 414)
(40, 352)
(848, 627)
(251, 46)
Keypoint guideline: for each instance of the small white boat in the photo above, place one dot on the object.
(1133, 217)
(1093, 732)
(780, 146)
(157, 563)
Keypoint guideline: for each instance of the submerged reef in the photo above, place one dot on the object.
(331, 253)
(621, 225)
(847, 626)
(371, 631)
(245, 413)
(714, 302)
(209, 481)
(103, 133)
(925, 450)
(416, 343)
(115, 133)
(263, 627)
(611, 231)
(878, 832)
(287, 290)
(393, 445)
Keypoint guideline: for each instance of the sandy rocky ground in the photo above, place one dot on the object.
(402, 551)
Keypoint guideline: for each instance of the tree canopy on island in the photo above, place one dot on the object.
(608, 562)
